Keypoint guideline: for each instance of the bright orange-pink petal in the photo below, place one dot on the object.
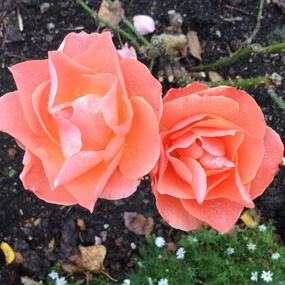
(140, 82)
(250, 116)
(77, 43)
(28, 76)
(183, 107)
(175, 180)
(219, 213)
(174, 213)
(34, 179)
(119, 187)
(269, 166)
(142, 144)
(175, 93)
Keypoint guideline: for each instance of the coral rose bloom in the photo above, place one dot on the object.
(87, 120)
(217, 155)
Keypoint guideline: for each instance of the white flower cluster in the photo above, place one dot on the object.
(265, 275)
(58, 280)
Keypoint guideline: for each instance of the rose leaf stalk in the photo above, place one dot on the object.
(240, 53)
(108, 24)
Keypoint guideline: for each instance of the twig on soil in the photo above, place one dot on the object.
(276, 99)
(240, 53)
(240, 83)
(257, 27)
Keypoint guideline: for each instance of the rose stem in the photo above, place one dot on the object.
(276, 99)
(257, 27)
(240, 53)
(240, 83)
(108, 24)
(131, 27)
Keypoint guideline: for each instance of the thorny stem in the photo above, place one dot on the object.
(108, 24)
(240, 53)
(276, 99)
(131, 27)
(239, 83)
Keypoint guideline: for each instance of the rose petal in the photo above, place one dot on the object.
(219, 213)
(250, 116)
(269, 166)
(75, 44)
(34, 179)
(184, 107)
(142, 144)
(175, 180)
(173, 212)
(67, 79)
(84, 161)
(175, 93)
(250, 154)
(144, 24)
(119, 187)
(127, 52)
(28, 76)
(139, 82)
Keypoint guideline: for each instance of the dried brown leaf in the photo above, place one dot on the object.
(93, 257)
(110, 13)
(71, 268)
(194, 44)
(138, 223)
(215, 76)
(51, 245)
(81, 224)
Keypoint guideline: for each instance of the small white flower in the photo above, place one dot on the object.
(163, 281)
(267, 276)
(262, 228)
(53, 275)
(254, 276)
(60, 281)
(133, 245)
(275, 255)
(127, 282)
(192, 239)
(230, 250)
(180, 253)
(149, 281)
(251, 246)
(160, 242)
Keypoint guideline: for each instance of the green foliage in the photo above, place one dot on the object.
(211, 258)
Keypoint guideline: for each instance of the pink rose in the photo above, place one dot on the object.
(217, 155)
(87, 120)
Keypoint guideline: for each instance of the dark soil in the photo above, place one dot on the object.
(30, 225)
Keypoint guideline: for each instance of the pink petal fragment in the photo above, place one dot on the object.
(269, 166)
(144, 24)
(142, 144)
(127, 52)
(219, 213)
(173, 212)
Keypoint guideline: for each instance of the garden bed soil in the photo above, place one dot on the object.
(44, 233)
